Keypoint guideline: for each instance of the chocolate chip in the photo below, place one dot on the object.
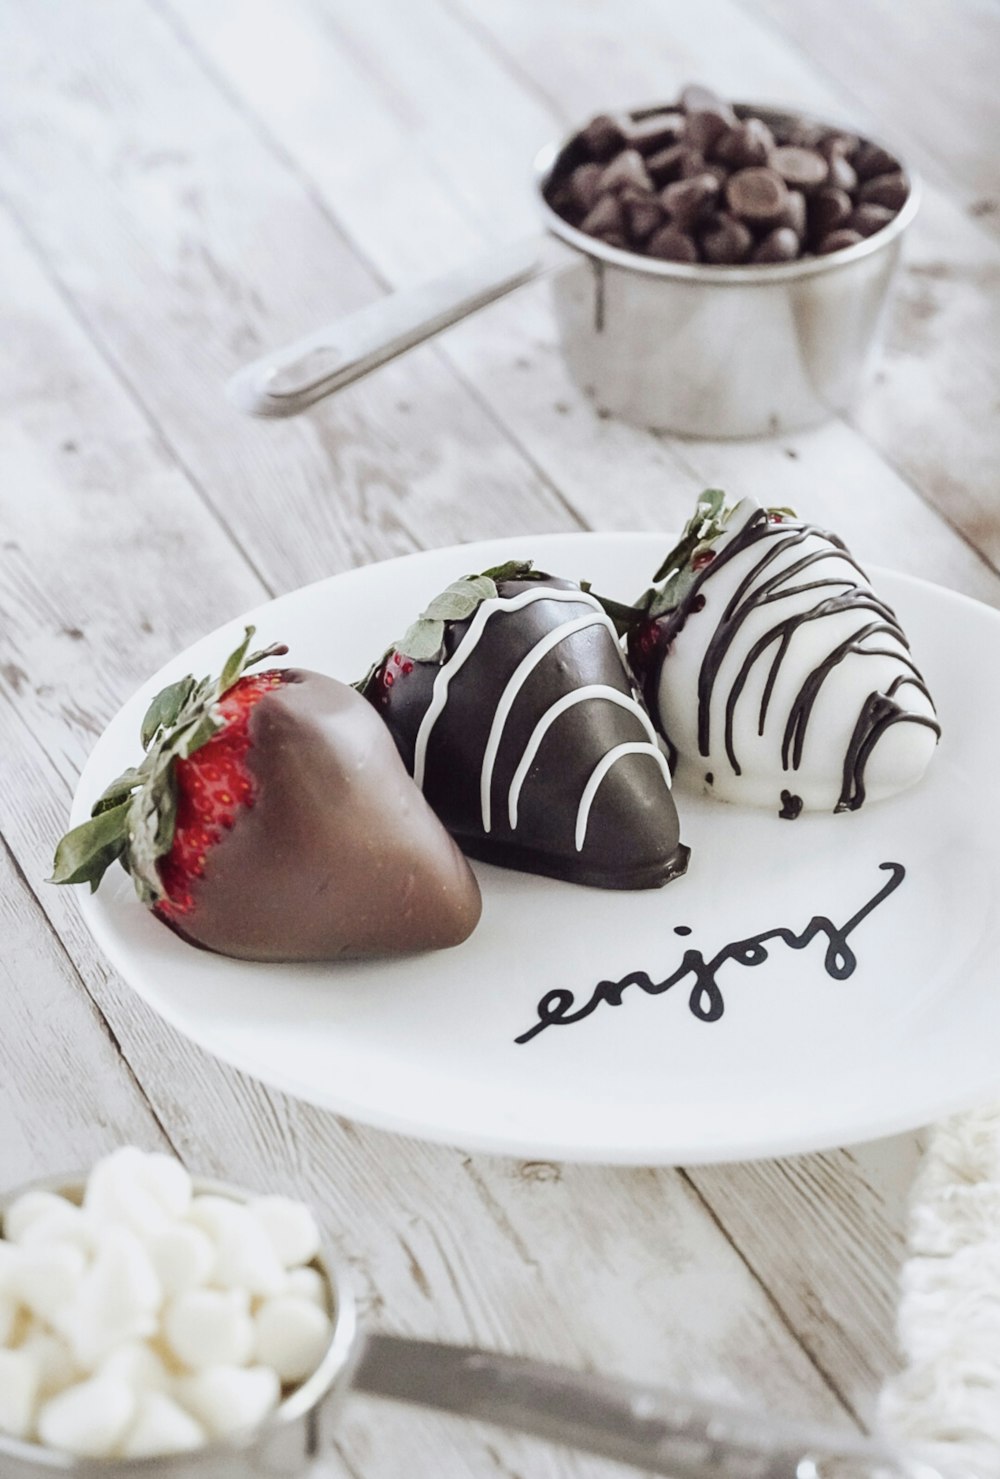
(698, 99)
(672, 245)
(687, 201)
(725, 240)
(749, 143)
(643, 214)
(795, 214)
(805, 169)
(837, 240)
(871, 160)
(585, 185)
(799, 133)
(563, 202)
(838, 145)
(658, 131)
(828, 210)
(607, 215)
(665, 165)
(692, 163)
(705, 128)
(869, 218)
(757, 195)
(842, 173)
(780, 245)
(626, 171)
(889, 190)
(603, 137)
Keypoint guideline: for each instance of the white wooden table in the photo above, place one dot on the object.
(185, 183)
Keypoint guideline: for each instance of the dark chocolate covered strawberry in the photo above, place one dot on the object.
(514, 710)
(778, 674)
(271, 819)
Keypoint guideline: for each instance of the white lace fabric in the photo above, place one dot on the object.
(943, 1407)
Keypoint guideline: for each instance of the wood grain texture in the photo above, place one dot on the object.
(219, 249)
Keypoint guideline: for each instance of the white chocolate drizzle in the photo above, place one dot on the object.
(600, 770)
(595, 616)
(516, 682)
(578, 695)
(465, 649)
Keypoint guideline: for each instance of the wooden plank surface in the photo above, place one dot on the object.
(190, 181)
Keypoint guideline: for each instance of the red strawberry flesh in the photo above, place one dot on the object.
(213, 786)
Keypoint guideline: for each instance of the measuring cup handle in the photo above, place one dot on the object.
(661, 1432)
(290, 379)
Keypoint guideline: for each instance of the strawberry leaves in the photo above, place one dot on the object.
(86, 853)
(694, 550)
(134, 817)
(423, 640)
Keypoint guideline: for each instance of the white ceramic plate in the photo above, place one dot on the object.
(799, 1060)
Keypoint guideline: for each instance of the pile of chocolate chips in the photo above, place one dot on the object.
(704, 182)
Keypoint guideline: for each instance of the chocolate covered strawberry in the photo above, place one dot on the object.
(514, 710)
(778, 674)
(271, 819)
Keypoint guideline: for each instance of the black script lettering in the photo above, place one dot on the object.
(559, 1008)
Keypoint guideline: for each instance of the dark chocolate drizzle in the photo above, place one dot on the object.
(791, 806)
(759, 589)
(558, 1008)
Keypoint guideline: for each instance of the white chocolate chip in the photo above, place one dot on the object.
(63, 1223)
(183, 1256)
(19, 1382)
(46, 1279)
(89, 1419)
(9, 1309)
(27, 1209)
(210, 1327)
(244, 1257)
(138, 1366)
(308, 1283)
(291, 1228)
(161, 1425)
(117, 1298)
(146, 1191)
(230, 1399)
(57, 1368)
(292, 1336)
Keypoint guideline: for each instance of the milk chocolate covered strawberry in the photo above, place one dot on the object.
(514, 710)
(775, 670)
(271, 819)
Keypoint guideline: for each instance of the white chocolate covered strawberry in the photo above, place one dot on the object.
(777, 674)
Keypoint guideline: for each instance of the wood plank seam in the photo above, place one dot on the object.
(771, 1298)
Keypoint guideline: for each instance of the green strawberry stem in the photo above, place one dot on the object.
(134, 817)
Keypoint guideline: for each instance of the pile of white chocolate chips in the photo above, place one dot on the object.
(150, 1319)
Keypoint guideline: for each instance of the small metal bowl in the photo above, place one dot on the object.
(713, 351)
(283, 1447)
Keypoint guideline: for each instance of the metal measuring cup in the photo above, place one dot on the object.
(690, 348)
(655, 1430)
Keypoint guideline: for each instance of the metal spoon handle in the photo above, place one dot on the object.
(661, 1432)
(288, 380)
